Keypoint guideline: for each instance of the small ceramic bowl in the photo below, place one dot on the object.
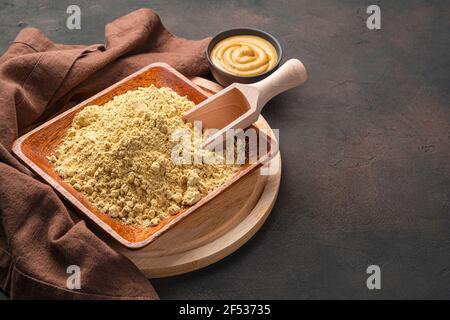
(225, 78)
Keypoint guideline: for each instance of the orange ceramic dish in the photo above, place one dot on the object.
(34, 147)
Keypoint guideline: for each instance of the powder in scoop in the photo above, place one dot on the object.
(119, 156)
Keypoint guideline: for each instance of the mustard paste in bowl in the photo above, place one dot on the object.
(244, 55)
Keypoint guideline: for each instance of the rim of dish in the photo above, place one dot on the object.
(278, 44)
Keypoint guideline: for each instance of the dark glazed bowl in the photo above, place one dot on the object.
(225, 78)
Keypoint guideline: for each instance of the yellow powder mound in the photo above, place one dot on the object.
(119, 156)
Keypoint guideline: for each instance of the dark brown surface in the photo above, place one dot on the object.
(365, 144)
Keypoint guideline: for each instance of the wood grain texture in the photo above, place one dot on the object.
(239, 105)
(365, 144)
(215, 230)
(208, 243)
(34, 147)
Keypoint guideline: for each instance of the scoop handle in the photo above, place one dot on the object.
(289, 75)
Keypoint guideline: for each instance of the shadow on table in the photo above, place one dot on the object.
(3, 296)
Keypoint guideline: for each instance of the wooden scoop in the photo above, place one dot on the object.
(239, 105)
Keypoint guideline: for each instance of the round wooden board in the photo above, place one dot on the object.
(206, 244)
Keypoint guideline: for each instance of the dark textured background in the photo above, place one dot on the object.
(365, 144)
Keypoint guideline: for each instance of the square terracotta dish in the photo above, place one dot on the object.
(34, 147)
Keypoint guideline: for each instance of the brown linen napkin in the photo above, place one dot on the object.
(39, 237)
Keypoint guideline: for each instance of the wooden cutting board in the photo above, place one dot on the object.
(205, 238)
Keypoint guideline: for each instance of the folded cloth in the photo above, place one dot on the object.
(39, 237)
